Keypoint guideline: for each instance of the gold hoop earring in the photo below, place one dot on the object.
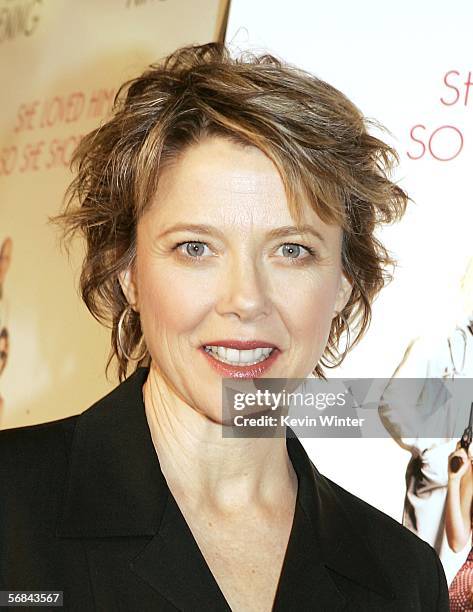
(127, 309)
(347, 346)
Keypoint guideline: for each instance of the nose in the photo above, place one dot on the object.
(244, 290)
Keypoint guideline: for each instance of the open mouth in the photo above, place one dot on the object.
(238, 357)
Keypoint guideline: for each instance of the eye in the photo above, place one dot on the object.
(193, 249)
(293, 250)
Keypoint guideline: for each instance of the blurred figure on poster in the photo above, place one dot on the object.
(458, 526)
(5, 258)
(428, 359)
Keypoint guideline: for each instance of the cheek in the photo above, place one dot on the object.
(169, 302)
(311, 310)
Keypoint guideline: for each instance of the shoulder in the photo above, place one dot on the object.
(45, 443)
(37, 457)
(380, 528)
(33, 467)
(33, 457)
(18, 443)
(403, 557)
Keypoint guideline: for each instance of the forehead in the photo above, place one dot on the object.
(225, 182)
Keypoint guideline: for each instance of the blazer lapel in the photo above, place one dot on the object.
(117, 500)
(324, 543)
(115, 486)
(305, 582)
(173, 564)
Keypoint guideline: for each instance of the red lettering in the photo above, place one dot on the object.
(8, 156)
(62, 109)
(447, 84)
(74, 106)
(53, 112)
(418, 141)
(459, 139)
(31, 156)
(100, 102)
(60, 151)
(25, 117)
(468, 84)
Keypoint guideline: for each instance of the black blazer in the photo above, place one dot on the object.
(85, 508)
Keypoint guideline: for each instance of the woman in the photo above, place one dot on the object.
(458, 517)
(228, 208)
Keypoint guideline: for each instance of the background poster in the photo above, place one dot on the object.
(60, 65)
(408, 66)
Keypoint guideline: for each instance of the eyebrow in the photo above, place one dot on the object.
(278, 232)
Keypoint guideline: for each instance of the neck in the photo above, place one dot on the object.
(224, 475)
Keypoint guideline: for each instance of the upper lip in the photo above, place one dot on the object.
(241, 344)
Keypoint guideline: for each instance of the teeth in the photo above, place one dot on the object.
(236, 357)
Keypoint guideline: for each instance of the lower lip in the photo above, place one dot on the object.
(241, 371)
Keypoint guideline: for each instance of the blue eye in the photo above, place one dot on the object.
(195, 249)
(293, 250)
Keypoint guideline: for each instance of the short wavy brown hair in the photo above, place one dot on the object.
(315, 136)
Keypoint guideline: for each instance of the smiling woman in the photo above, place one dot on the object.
(228, 209)
(215, 292)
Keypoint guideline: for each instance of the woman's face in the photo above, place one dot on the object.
(242, 275)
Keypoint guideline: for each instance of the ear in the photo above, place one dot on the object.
(343, 294)
(127, 280)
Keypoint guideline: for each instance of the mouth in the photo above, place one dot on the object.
(243, 359)
(238, 357)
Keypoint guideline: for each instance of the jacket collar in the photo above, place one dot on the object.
(115, 487)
